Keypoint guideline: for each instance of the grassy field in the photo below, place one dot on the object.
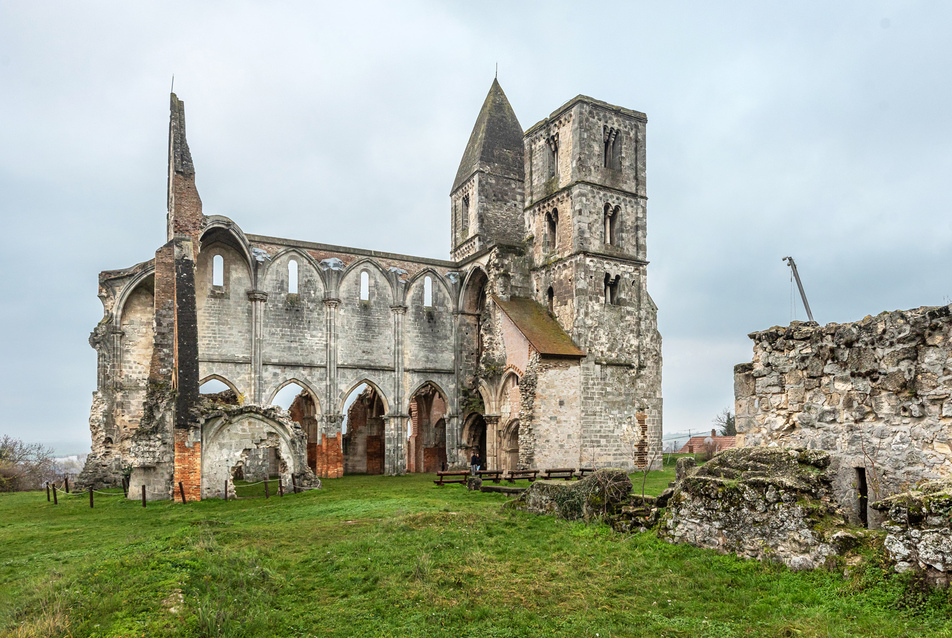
(381, 556)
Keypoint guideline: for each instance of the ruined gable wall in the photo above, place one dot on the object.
(550, 423)
(882, 385)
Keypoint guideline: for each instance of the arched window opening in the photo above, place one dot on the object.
(612, 147)
(302, 409)
(219, 392)
(464, 217)
(292, 277)
(552, 230)
(611, 289)
(218, 270)
(611, 221)
(427, 292)
(364, 285)
(550, 299)
(552, 142)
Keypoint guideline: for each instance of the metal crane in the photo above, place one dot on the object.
(803, 295)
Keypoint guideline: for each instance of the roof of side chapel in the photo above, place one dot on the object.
(495, 145)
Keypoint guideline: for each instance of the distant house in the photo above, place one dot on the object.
(701, 443)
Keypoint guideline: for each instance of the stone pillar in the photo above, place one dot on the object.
(395, 444)
(330, 400)
(493, 442)
(258, 299)
(116, 362)
(396, 440)
(453, 460)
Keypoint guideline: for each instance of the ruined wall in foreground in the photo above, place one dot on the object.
(876, 393)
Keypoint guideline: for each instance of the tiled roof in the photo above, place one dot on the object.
(697, 443)
(539, 327)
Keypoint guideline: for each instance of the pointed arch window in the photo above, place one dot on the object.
(612, 156)
(218, 270)
(292, 277)
(552, 230)
(364, 285)
(427, 292)
(550, 299)
(464, 217)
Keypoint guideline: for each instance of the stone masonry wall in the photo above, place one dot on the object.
(876, 393)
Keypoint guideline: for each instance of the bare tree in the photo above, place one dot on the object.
(24, 466)
(724, 422)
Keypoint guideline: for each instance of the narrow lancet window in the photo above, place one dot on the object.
(218, 270)
(611, 289)
(550, 299)
(611, 221)
(364, 286)
(611, 147)
(553, 144)
(552, 230)
(464, 217)
(427, 292)
(292, 277)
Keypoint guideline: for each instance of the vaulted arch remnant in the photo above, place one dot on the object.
(362, 432)
(426, 439)
(303, 409)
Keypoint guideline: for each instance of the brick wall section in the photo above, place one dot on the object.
(188, 467)
(329, 457)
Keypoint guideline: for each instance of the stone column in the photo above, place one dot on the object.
(396, 439)
(258, 299)
(493, 444)
(330, 398)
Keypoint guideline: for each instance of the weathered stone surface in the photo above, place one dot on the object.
(873, 393)
(919, 526)
(764, 503)
(594, 497)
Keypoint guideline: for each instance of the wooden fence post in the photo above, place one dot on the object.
(280, 487)
(181, 491)
(226, 490)
(90, 497)
(47, 491)
(293, 484)
(55, 502)
(143, 495)
(66, 482)
(266, 494)
(125, 487)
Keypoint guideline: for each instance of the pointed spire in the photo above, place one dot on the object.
(495, 145)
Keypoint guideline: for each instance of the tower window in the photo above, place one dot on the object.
(550, 299)
(553, 143)
(464, 216)
(552, 230)
(611, 289)
(292, 277)
(364, 286)
(611, 222)
(427, 292)
(218, 270)
(612, 147)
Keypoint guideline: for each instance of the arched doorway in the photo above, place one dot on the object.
(362, 430)
(474, 436)
(426, 436)
(301, 406)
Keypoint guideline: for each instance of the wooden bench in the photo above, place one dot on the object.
(490, 475)
(456, 476)
(517, 475)
(567, 473)
(585, 471)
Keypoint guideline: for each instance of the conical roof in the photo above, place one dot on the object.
(495, 144)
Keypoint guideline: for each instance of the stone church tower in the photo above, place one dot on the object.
(535, 345)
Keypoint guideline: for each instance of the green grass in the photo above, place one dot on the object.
(379, 556)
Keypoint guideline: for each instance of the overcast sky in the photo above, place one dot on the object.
(814, 129)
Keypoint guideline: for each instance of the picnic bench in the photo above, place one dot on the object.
(585, 471)
(567, 473)
(516, 475)
(451, 476)
(490, 475)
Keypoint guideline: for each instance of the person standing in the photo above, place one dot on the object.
(474, 463)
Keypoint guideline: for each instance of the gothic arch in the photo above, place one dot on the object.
(342, 399)
(302, 384)
(221, 229)
(426, 436)
(476, 279)
(127, 291)
(294, 253)
(437, 277)
(218, 377)
(368, 264)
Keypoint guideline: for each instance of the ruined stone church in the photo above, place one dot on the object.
(535, 345)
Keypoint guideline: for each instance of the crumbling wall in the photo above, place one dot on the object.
(876, 393)
(763, 503)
